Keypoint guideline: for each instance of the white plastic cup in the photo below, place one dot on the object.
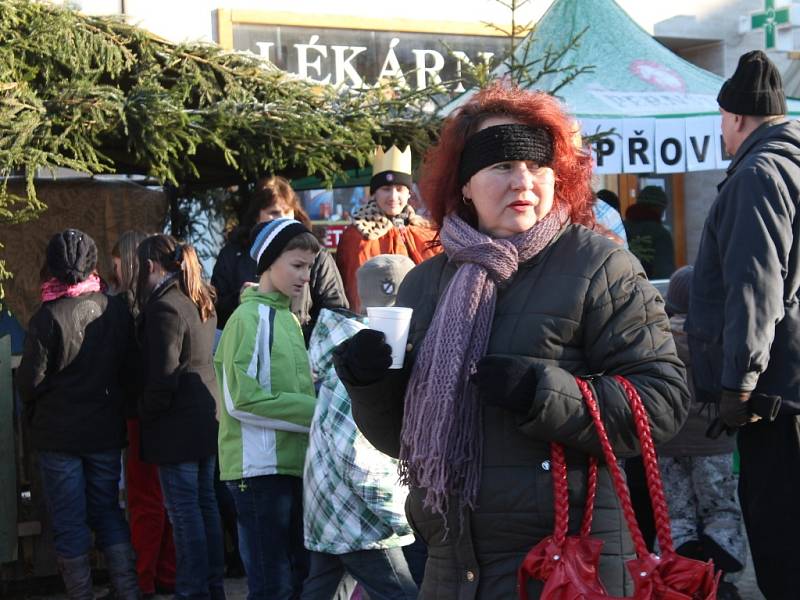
(394, 322)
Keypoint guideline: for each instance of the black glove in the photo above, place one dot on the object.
(734, 410)
(506, 381)
(364, 358)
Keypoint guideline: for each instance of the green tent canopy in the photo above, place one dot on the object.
(662, 108)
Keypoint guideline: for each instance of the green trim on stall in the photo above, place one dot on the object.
(354, 178)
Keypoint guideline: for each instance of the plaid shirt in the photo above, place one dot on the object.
(351, 496)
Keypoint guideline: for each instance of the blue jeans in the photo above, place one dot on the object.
(270, 514)
(383, 573)
(188, 490)
(81, 492)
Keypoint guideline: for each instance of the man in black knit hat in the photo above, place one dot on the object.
(744, 314)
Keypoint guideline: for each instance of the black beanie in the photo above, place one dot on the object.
(755, 88)
(71, 256)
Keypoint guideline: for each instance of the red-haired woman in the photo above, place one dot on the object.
(525, 298)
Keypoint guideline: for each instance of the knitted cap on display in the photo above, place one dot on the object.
(270, 238)
(755, 88)
(380, 277)
(654, 196)
(71, 256)
(680, 286)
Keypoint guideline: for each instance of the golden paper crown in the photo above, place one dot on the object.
(392, 160)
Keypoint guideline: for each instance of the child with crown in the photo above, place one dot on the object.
(387, 224)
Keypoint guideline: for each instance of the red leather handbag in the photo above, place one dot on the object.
(568, 565)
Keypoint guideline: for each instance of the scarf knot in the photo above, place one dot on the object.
(441, 439)
(499, 258)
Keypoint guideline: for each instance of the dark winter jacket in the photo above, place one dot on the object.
(744, 308)
(581, 307)
(648, 236)
(133, 376)
(692, 439)
(234, 267)
(69, 377)
(177, 410)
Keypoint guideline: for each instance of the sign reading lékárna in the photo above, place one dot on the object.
(359, 58)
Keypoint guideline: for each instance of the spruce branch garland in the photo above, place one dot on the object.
(97, 95)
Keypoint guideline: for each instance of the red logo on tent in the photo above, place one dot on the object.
(658, 75)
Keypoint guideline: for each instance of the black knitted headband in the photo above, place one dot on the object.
(501, 143)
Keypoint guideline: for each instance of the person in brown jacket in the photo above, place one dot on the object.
(387, 224)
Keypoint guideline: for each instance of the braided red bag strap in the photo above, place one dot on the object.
(652, 473)
(558, 466)
(591, 492)
(616, 474)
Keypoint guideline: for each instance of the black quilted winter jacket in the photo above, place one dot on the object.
(581, 307)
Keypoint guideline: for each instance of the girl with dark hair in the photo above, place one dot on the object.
(151, 533)
(69, 379)
(274, 198)
(524, 298)
(177, 410)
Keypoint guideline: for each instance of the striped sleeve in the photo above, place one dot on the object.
(244, 367)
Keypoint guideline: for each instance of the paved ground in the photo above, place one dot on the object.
(237, 589)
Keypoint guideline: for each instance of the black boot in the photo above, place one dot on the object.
(722, 560)
(691, 549)
(77, 575)
(121, 564)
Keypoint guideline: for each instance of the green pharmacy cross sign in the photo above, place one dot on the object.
(769, 20)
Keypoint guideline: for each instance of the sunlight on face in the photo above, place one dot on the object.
(276, 211)
(289, 274)
(392, 199)
(510, 197)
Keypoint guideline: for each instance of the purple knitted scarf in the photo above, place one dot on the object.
(441, 438)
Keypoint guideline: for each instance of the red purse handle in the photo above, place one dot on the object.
(654, 484)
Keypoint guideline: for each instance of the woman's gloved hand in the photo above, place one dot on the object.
(364, 358)
(507, 381)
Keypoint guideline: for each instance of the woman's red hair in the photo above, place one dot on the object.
(572, 165)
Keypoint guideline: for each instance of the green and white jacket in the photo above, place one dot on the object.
(352, 499)
(268, 396)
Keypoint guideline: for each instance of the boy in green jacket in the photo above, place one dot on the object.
(268, 401)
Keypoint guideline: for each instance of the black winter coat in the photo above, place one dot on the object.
(581, 307)
(644, 230)
(234, 267)
(744, 308)
(69, 377)
(177, 410)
